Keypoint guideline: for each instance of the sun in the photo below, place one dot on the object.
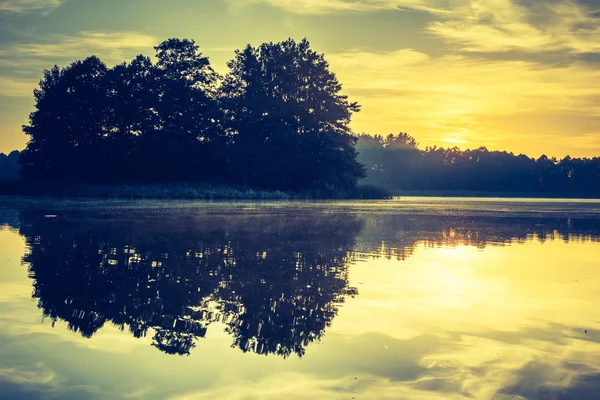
(454, 140)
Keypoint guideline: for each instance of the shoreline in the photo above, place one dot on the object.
(180, 191)
(204, 191)
(494, 195)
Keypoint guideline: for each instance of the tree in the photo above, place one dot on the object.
(278, 121)
(66, 130)
(401, 141)
(134, 122)
(188, 135)
(131, 117)
(9, 166)
(391, 161)
(288, 119)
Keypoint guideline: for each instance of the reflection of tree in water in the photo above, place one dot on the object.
(274, 280)
(275, 283)
(9, 218)
(271, 320)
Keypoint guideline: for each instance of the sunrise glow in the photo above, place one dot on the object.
(513, 75)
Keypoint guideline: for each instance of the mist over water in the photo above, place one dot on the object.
(411, 298)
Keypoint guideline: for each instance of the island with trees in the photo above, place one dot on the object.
(275, 126)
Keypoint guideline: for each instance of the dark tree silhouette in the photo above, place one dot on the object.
(134, 122)
(131, 120)
(277, 121)
(66, 131)
(9, 166)
(290, 122)
(276, 284)
(186, 85)
(397, 163)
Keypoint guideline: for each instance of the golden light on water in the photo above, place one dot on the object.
(487, 314)
(450, 302)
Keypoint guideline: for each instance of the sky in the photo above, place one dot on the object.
(515, 75)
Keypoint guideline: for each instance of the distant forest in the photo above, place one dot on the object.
(275, 121)
(9, 166)
(396, 162)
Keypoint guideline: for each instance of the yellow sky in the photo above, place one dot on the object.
(517, 75)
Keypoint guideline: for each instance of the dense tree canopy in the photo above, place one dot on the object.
(277, 120)
(282, 100)
(397, 163)
(9, 165)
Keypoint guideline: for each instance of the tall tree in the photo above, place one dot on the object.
(189, 133)
(66, 130)
(289, 120)
(131, 116)
(134, 122)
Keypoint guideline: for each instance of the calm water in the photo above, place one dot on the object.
(407, 299)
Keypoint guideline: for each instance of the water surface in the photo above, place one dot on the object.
(416, 298)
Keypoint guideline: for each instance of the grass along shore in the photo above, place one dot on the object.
(181, 191)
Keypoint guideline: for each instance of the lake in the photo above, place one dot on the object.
(414, 298)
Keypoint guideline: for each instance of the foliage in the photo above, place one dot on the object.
(370, 192)
(9, 166)
(289, 118)
(276, 121)
(174, 191)
(396, 163)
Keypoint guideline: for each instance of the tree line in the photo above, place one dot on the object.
(396, 162)
(9, 165)
(276, 120)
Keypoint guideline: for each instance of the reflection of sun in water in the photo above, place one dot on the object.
(450, 280)
(456, 253)
(435, 284)
(496, 314)
(464, 286)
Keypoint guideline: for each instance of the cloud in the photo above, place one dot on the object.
(24, 62)
(480, 101)
(19, 376)
(328, 6)
(289, 385)
(481, 25)
(21, 6)
(505, 25)
(112, 47)
(17, 87)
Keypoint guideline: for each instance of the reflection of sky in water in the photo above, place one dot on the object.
(441, 312)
